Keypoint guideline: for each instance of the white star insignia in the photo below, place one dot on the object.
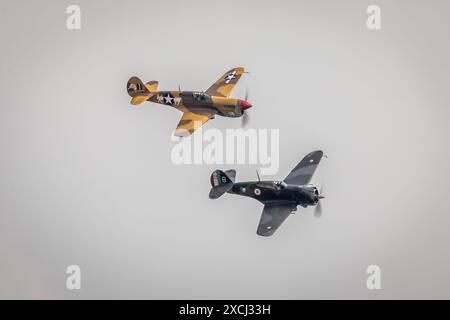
(230, 77)
(159, 98)
(168, 99)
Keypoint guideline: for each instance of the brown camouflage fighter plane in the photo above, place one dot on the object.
(197, 106)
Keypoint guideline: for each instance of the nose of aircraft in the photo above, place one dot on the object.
(245, 105)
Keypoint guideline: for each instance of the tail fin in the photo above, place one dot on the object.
(221, 182)
(139, 91)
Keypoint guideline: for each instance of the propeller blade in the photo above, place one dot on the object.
(322, 193)
(318, 210)
(245, 119)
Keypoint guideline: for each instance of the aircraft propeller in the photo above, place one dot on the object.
(245, 117)
(318, 208)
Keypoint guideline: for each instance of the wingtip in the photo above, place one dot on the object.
(264, 233)
(182, 133)
(239, 69)
(314, 153)
(265, 230)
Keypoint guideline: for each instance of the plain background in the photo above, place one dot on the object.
(86, 179)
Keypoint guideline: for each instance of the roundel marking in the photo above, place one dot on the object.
(257, 191)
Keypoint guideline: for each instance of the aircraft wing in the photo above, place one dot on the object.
(226, 83)
(304, 171)
(272, 217)
(191, 121)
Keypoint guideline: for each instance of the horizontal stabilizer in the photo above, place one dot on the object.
(231, 174)
(152, 86)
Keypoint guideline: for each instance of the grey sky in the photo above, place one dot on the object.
(87, 179)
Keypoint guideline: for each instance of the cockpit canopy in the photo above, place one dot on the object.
(200, 96)
(280, 184)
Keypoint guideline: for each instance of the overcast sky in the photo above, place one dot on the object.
(87, 179)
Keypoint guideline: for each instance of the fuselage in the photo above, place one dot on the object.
(196, 101)
(277, 192)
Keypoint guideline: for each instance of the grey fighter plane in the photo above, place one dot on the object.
(280, 198)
